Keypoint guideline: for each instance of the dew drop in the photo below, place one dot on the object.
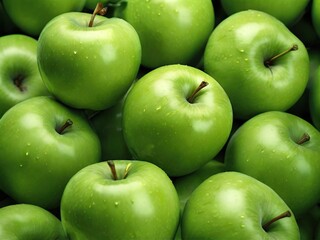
(75, 52)
(116, 204)
(27, 153)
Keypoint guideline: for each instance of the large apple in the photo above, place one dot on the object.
(233, 205)
(93, 62)
(171, 32)
(26, 221)
(19, 74)
(294, 9)
(120, 199)
(177, 117)
(42, 145)
(32, 15)
(281, 150)
(258, 61)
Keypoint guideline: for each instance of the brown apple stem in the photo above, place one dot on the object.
(98, 10)
(282, 215)
(18, 80)
(304, 138)
(67, 124)
(126, 171)
(269, 62)
(113, 169)
(191, 98)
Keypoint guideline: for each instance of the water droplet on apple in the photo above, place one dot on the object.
(75, 52)
(27, 153)
(242, 50)
(28, 144)
(20, 165)
(116, 204)
(242, 226)
(246, 59)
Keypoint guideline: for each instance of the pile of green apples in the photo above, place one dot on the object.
(159, 119)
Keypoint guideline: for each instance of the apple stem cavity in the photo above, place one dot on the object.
(270, 61)
(99, 9)
(304, 138)
(18, 80)
(191, 98)
(114, 174)
(282, 215)
(66, 125)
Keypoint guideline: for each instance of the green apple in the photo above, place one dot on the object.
(258, 61)
(177, 117)
(19, 74)
(120, 199)
(171, 32)
(42, 145)
(185, 185)
(108, 126)
(315, 14)
(93, 63)
(32, 15)
(287, 11)
(26, 221)
(281, 150)
(232, 205)
(314, 99)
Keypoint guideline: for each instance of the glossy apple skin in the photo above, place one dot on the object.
(29, 222)
(171, 32)
(18, 57)
(293, 9)
(314, 99)
(32, 15)
(162, 127)
(232, 205)
(143, 205)
(235, 56)
(36, 162)
(88, 67)
(265, 147)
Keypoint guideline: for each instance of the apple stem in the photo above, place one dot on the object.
(17, 80)
(304, 138)
(67, 124)
(126, 171)
(99, 9)
(113, 169)
(282, 215)
(191, 98)
(269, 62)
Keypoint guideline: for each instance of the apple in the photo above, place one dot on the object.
(26, 221)
(260, 64)
(19, 74)
(93, 62)
(281, 150)
(171, 32)
(314, 99)
(42, 145)
(177, 117)
(287, 11)
(120, 199)
(6, 24)
(232, 205)
(32, 15)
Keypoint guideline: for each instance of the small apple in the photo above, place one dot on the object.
(19, 74)
(120, 199)
(42, 145)
(26, 221)
(93, 62)
(177, 117)
(281, 150)
(294, 9)
(171, 32)
(32, 15)
(258, 61)
(232, 205)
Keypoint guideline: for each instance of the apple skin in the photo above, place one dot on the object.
(162, 127)
(18, 62)
(294, 9)
(266, 147)
(89, 67)
(171, 32)
(232, 205)
(32, 15)
(235, 56)
(26, 221)
(142, 205)
(314, 99)
(36, 162)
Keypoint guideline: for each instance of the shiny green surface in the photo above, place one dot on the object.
(314, 99)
